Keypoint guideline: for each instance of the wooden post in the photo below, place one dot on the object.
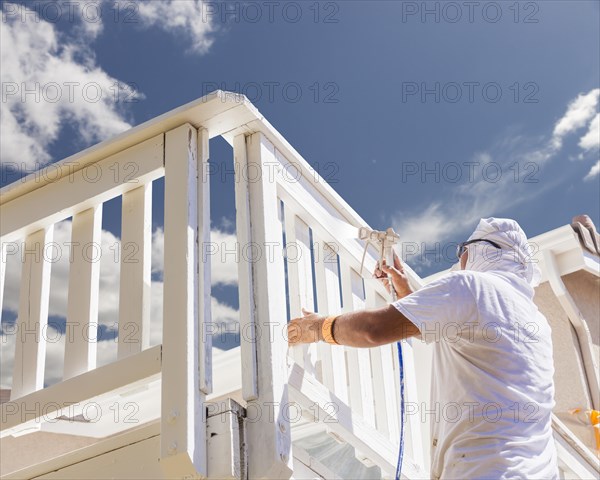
(183, 424)
(245, 282)
(269, 438)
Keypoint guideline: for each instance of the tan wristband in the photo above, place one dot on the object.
(327, 329)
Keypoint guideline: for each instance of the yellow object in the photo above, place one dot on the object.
(594, 419)
(327, 329)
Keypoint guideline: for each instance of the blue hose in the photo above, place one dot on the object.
(401, 448)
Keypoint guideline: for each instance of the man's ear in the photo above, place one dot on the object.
(463, 259)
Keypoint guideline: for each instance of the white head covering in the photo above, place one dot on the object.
(515, 256)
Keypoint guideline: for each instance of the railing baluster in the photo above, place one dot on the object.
(333, 362)
(364, 359)
(204, 272)
(299, 279)
(413, 422)
(30, 353)
(84, 279)
(378, 377)
(323, 350)
(134, 289)
(359, 361)
(386, 374)
(3, 257)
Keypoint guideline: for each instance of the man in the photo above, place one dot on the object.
(492, 387)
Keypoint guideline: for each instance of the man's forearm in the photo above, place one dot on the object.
(372, 328)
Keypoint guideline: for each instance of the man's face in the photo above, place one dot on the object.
(463, 259)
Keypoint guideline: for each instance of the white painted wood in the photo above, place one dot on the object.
(204, 278)
(328, 226)
(305, 463)
(3, 258)
(84, 281)
(379, 397)
(388, 367)
(300, 281)
(351, 428)
(134, 460)
(114, 442)
(183, 426)
(135, 276)
(227, 445)
(354, 373)
(364, 358)
(30, 350)
(579, 324)
(333, 362)
(269, 439)
(248, 329)
(59, 396)
(413, 424)
(218, 111)
(323, 349)
(573, 456)
(91, 186)
(360, 385)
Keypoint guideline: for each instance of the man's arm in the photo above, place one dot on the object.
(363, 328)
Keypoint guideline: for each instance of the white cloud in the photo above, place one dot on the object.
(591, 139)
(519, 158)
(224, 264)
(594, 171)
(429, 226)
(158, 247)
(578, 113)
(188, 18)
(65, 85)
(51, 78)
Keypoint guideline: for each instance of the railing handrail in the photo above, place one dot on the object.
(221, 113)
(199, 112)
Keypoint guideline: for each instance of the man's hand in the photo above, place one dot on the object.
(305, 329)
(399, 277)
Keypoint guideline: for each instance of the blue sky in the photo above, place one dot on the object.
(373, 94)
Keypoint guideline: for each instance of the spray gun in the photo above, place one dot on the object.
(383, 241)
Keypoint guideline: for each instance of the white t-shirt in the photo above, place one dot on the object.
(492, 387)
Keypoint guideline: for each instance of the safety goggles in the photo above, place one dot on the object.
(461, 247)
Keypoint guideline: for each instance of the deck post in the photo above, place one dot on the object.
(183, 423)
(263, 307)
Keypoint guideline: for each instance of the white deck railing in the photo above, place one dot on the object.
(277, 193)
(361, 384)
